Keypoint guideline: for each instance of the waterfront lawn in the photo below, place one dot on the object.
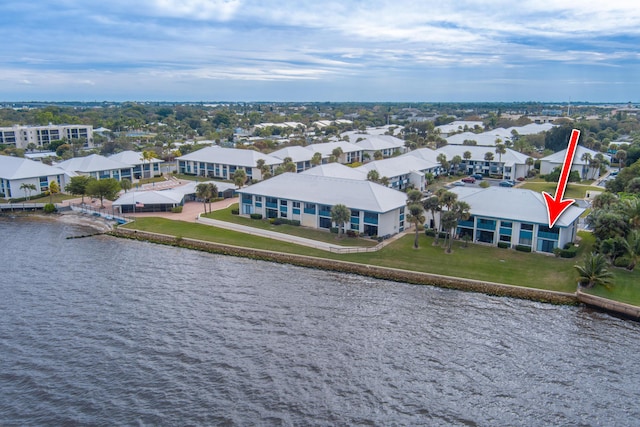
(309, 233)
(625, 288)
(573, 191)
(474, 262)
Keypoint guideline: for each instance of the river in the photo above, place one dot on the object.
(106, 331)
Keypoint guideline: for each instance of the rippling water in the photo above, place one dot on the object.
(103, 331)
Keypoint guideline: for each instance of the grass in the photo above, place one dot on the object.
(573, 191)
(625, 288)
(322, 236)
(474, 262)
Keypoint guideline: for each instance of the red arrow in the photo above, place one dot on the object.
(556, 206)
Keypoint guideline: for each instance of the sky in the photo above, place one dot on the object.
(322, 50)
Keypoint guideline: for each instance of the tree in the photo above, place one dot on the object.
(442, 159)
(28, 188)
(78, 185)
(632, 248)
(488, 156)
(203, 192)
(621, 156)
(529, 162)
(432, 204)
(460, 212)
(466, 155)
(377, 155)
(500, 150)
(594, 271)
(373, 176)
(147, 156)
(336, 153)
(239, 177)
(448, 221)
(340, 215)
(213, 193)
(125, 184)
(54, 188)
(416, 216)
(103, 189)
(316, 159)
(455, 162)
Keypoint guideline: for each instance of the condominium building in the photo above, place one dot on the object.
(21, 136)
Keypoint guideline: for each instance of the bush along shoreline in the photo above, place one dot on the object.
(385, 273)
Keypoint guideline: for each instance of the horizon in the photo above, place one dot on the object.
(187, 51)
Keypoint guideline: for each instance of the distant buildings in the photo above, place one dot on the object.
(21, 136)
(17, 175)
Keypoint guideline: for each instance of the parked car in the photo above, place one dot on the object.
(469, 180)
(477, 176)
(507, 183)
(458, 184)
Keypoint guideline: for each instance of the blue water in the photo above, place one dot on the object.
(105, 331)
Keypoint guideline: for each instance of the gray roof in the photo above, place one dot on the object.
(355, 194)
(296, 152)
(132, 158)
(326, 148)
(336, 170)
(378, 142)
(577, 157)
(160, 197)
(20, 168)
(230, 156)
(92, 163)
(478, 151)
(513, 204)
(424, 153)
(396, 166)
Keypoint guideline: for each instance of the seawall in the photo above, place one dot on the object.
(378, 272)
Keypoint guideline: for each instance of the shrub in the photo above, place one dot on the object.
(255, 216)
(176, 209)
(484, 184)
(334, 230)
(523, 248)
(49, 208)
(430, 232)
(351, 233)
(622, 262)
(570, 251)
(235, 211)
(503, 245)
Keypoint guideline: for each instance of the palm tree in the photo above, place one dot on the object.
(433, 205)
(448, 220)
(466, 156)
(385, 181)
(442, 159)
(316, 159)
(529, 162)
(213, 192)
(416, 216)
(239, 177)
(147, 156)
(54, 188)
(377, 155)
(337, 152)
(373, 176)
(488, 156)
(460, 212)
(500, 150)
(621, 156)
(632, 247)
(28, 188)
(594, 271)
(203, 192)
(455, 162)
(340, 214)
(586, 158)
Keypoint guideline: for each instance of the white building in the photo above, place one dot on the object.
(512, 163)
(98, 167)
(403, 171)
(221, 163)
(387, 145)
(515, 217)
(16, 171)
(21, 136)
(141, 168)
(581, 162)
(337, 170)
(298, 155)
(375, 210)
(350, 152)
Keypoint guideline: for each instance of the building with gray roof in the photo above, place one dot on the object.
(512, 164)
(581, 162)
(141, 168)
(16, 172)
(516, 217)
(337, 170)
(387, 145)
(98, 167)
(403, 171)
(221, 163)
(298, 155)
(375, 209)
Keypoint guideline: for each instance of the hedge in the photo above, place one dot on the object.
(503, 245)
(523, 248)
(255, 216)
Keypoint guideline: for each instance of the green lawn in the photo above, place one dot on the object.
(474, 262)
(309, 233)
(573, 191)
(625, 288)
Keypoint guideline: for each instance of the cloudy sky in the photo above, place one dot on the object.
(322, 50)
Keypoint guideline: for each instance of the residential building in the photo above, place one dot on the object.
(375, 210)
(515, 217)
(221, 163)
(337, 170)
(141, 168)
(511, 165)
(298, 155)
(98, 167)
(403, 171)
(581, 162)
(350, 152)
(16, 171)
(387, 145)
(21, 136)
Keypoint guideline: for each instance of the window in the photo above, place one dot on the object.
(296, 205)
(526, 226)
(258, 198)
(505, 224)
